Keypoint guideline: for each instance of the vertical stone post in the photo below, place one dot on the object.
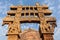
(48, 36)
(41, 18)
(12, 35)
(14, 28)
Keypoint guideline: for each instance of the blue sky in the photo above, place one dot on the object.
(54, 5)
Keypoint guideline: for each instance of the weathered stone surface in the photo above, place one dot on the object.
(30, 35)
(22, 14)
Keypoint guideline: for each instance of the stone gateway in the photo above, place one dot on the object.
(35, 14)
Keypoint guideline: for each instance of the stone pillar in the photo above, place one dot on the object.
(41, 18)
(14, 28)
(12, 33)
(12, 37)
(48, 36)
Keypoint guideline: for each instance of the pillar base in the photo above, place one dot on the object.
(48, 36)
(12, 37)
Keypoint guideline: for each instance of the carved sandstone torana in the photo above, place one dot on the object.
(38, 13)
